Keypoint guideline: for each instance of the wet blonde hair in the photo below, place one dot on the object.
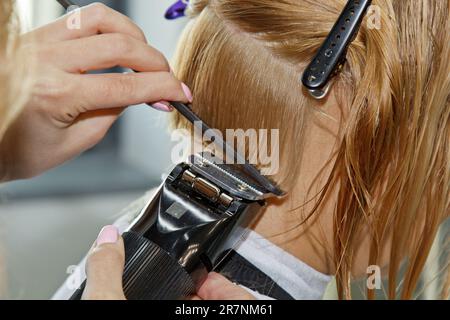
(243, 59)
(13, 66)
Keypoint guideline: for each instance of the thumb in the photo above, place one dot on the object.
(104, 267)
(217, 287)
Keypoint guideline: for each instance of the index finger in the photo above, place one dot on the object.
(107, 91)
(90, 20)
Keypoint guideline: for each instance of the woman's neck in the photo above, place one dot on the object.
(283, 222)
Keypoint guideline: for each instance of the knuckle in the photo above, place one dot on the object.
(141, 35)
(125, 85)
(160, 60)
(67, 88)
(104, 91)
(135, 30)
(52, 90)
(98, 12)
(115, 88)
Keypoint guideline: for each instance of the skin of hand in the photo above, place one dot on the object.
(217, 287)
(104, 269)
(69, 110)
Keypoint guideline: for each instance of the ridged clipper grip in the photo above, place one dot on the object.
(150, 272)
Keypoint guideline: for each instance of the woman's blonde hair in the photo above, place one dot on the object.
(13, 66)
(244, 58)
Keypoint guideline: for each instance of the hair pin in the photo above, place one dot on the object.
(177, 10)
(332, 55)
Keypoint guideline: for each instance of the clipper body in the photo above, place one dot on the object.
(200, 212)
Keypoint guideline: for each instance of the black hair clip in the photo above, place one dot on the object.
(331, 57)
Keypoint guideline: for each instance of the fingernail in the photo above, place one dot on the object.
(163, 106)
(109, 234)
(187, 92)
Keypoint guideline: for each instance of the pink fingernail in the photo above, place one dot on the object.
(187, 92)
(109, 234)
(163, 106)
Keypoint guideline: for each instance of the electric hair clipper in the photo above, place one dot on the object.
(198, 215)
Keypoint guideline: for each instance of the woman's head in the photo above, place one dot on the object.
(244, 59)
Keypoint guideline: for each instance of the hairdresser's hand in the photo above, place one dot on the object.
(69, 111)
(104, 267)
(217, 287)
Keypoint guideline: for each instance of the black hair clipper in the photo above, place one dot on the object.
(199, 213)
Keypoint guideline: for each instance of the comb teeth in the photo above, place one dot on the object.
(151, 273)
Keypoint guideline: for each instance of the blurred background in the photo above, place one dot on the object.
(50, 222)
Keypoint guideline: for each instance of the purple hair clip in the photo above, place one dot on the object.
(177, 10)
